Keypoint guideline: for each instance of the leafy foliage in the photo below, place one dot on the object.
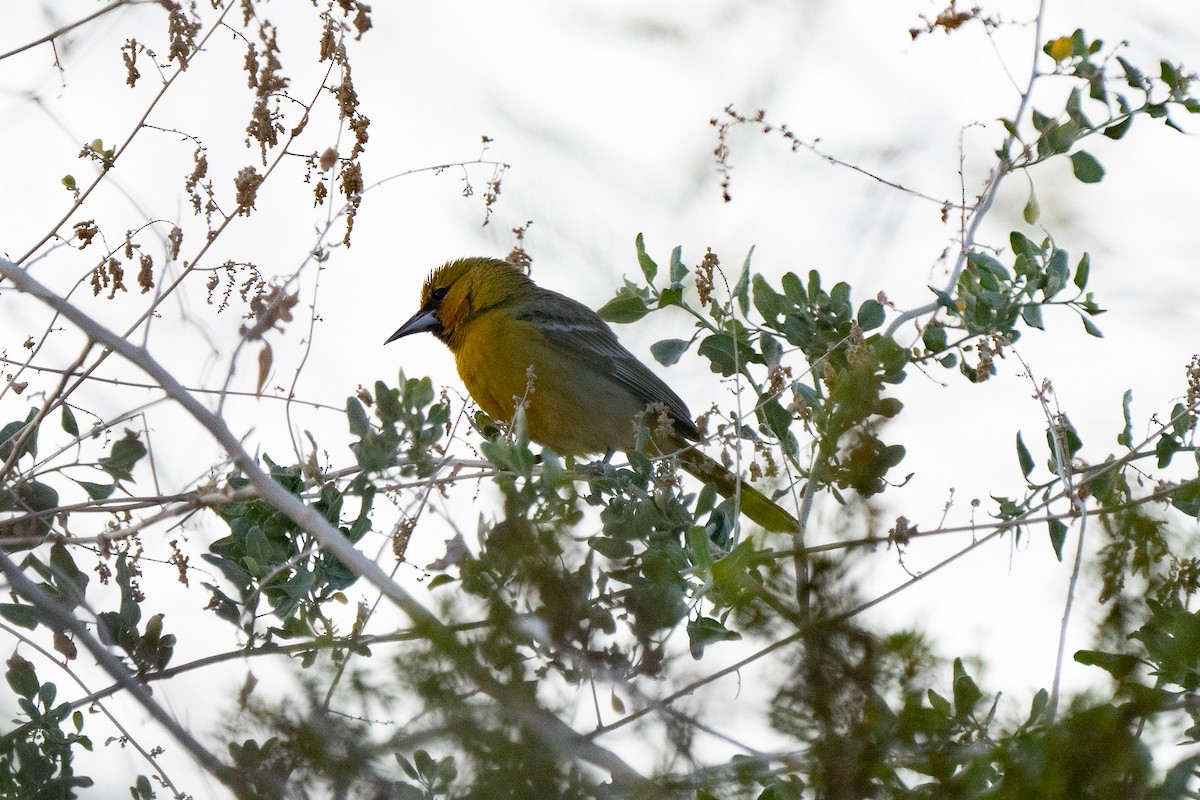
(617, 582)
(37, 759)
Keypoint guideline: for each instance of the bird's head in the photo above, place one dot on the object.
(457, 292)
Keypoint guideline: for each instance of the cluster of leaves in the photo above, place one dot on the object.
(990, 302)
(924, 744)
(410, 428)
(149, 648)
(37, 757)
(870, 726)
(1157, 669)
(267, 556)
(601, 608)
(843, 402)
(1058, 134)
(662, 556)
(528, 573)
(25, 481)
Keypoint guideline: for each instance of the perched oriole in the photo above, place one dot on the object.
(584, 393)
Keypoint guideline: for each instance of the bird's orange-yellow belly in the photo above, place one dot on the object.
(572, 409)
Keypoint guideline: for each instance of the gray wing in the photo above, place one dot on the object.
(575, 329)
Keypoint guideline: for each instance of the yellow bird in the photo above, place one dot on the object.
(584, 393)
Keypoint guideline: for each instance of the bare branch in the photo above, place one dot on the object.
(50, 37)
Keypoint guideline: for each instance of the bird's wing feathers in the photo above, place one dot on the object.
(581, 333)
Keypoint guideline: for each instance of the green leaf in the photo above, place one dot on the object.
(1023, 457)
(1133, 76)
(425, 764)
(676, 262)
(668, 351)
(21, 676)
(1125, 437)
(1119, 665)
(356, 416)
(778, 419)
(11, 432)
(772, 349)
(68, 421)
(1091, 328)
(793, 289)
(1059, 138)
(719, 350)
(1082, 271)
(1187, 499)
(1038, 706)
(1032, 211)
(1032, 314)
(418, 392)
(839, 298)
(944, 300)
(1169, 74)
(707, 499)
(1058, 272)
(705, 631)
(1086, 167)
(985, 263)
(1181, 421)
(870, 315)
(966, 694)
(741, 290)
(439, 580)
(37, 496)
(697, 546)
(767, 301)
(1165, 450)
(1058, 536)
(679, 270)
(1022, 245)
(1179, 780)
(1119, 129)
(934, 338)
(939, 703)
(737, 574)
(671, 297)
(125, 454)
(626, 307)
(23, 616)
(1075, 109)
(649, 268)
(610, 547)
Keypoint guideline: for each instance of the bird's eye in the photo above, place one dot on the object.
(438, 293)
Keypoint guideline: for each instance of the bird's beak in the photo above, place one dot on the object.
(424, 320)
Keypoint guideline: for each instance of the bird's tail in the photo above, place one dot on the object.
(754, 504)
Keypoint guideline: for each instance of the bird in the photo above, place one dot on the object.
(584, 393)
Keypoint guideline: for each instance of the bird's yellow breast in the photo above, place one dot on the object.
(571, 409)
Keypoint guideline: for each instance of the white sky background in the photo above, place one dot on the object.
(602, 110)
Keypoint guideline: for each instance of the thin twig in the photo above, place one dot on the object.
(990, 191)
(50, 37)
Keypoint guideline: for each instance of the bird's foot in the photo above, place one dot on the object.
(598, 468)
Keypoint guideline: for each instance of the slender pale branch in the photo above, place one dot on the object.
(50, 37)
